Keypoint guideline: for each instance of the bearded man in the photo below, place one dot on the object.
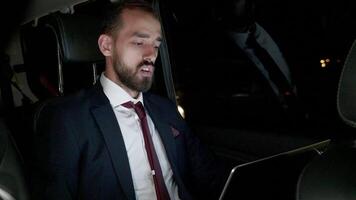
(116, 140)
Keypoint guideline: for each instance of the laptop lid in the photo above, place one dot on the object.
(274, 177)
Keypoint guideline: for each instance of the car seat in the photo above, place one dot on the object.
(61, 56)
(332, 175)
(13, 185)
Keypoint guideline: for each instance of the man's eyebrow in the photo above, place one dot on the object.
(145, 35)
(140, 35)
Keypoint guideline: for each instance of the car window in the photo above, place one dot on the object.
(218, 86)
(227, 99)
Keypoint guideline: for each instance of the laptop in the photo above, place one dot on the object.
(274, 177)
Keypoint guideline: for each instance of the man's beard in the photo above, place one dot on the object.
(129, 77)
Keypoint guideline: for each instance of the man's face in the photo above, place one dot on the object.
(135, 49)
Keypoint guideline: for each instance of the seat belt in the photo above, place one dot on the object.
(166, 62)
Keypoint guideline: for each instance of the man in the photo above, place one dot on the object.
(93, 144)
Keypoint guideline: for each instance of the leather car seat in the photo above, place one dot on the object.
(61, 56)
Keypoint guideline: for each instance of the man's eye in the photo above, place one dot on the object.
(138, 43)
(157, 45)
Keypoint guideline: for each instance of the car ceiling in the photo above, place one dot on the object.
(39, 8)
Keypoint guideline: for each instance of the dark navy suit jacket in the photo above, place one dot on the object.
(80, 152)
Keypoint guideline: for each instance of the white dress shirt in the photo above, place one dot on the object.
(135, 146)
(266, 41)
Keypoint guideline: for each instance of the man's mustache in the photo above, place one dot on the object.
(146, 62)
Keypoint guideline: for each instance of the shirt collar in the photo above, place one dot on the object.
(115, 93)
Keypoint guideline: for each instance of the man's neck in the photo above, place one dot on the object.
(133, 93)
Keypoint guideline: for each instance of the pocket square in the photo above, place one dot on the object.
(175, 132)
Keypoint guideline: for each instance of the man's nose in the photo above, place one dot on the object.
(150, 53)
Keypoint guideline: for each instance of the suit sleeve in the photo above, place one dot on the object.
(206, 171)
(206, 174)
(55, 163)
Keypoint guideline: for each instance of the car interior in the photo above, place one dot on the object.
(197, 69)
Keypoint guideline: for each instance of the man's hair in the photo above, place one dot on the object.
(112, 17)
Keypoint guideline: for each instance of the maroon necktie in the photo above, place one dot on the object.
(160, 186)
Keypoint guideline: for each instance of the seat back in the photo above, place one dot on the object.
(61, 54)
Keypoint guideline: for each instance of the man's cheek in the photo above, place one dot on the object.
(133, 59)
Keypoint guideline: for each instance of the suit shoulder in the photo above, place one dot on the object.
(68, 104)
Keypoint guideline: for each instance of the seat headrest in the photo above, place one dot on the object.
(77, 35)
(61, 48)
(346, 97)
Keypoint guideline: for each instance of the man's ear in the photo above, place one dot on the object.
(106, 44)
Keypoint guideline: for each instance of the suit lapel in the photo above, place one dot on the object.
(164, 130)
(106, 120)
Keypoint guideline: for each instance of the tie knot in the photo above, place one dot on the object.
(138, 107)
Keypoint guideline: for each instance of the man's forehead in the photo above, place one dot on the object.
(141, 23)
